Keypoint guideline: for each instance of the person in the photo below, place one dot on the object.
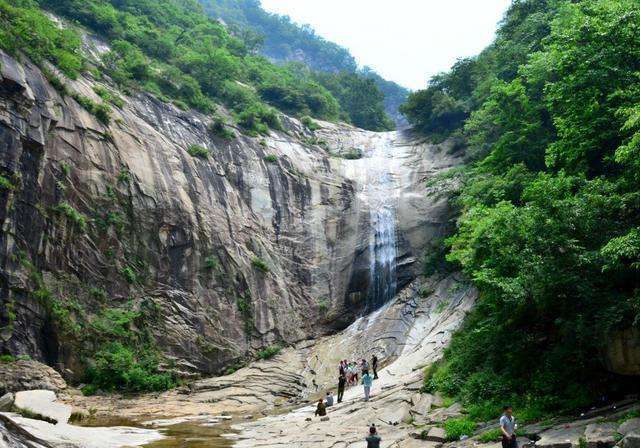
(321, 410)
(367, 381)
(373, 439)
(354, 370)
(508, 428)
(365, 366)
(374, 366)
(342, 381)
(329, 399)
(342, 367)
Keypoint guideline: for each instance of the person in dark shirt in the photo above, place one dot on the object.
(373, 439)
(342, 382)
(374, 366)
(321, 410)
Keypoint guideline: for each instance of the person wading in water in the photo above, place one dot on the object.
(508, 428)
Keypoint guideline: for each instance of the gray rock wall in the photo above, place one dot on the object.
(186, 228)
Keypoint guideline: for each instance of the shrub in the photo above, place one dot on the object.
(66, 209)
(210, 262)
(124, 176)
(352, 154)
(198, 151)
(6, 184)
(269, 352)
(219, 128)
(129, 274)
(310, 123)
(260, 264)
(101, 111)
(323, 306)
(491, 435)
(457, 427)
(7, 358)
(271, 158)
(117, 367)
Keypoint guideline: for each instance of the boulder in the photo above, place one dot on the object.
(561, 437)
(42, 404)
(631, 425)
(29, 375)
(436, 434)
(600, 435)
(6, 402)
(631, 440)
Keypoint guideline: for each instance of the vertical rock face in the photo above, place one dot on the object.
(102, 216)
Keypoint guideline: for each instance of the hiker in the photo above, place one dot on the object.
(342, 368)
(364, 365)
(508, 428)
(367, 381)
(342, 381)
(374, 366)
(321, 410)
(373, 439)
(329, 399)
(354, 370)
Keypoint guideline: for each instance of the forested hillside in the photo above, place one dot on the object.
(278, 38)
(549, 226)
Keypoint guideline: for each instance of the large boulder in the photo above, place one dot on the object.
(561, 437)
(601, 435)
(42, 405)
(631, 440)
(29, 375)
(623, 352)
(631, 425)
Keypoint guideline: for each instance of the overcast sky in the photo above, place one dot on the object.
(406, 41)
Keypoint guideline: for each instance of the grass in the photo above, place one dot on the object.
(260, 264)
(124, 176)
(323, 306)
(129, 274)
(211, 263)
(198, 151)
(352, 154)
(269, 352)
(102, 112)
(73, 215)
(219, 128)
(491, 435)
(457, 427)
(26, 413)
(271, 158)
(7, 359)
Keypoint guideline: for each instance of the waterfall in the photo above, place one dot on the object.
(380, 192)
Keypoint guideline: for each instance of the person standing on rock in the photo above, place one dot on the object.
(321, 410)
(367, 381)
(508, 428)
(342, 382)
(373, 439)
(374, 366)
(365, 366)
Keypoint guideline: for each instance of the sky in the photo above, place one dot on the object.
(406, 41)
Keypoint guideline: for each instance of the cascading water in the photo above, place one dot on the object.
(380, 192)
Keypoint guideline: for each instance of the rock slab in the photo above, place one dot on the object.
(43, 403)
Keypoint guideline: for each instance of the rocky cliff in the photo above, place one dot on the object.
(265, 241)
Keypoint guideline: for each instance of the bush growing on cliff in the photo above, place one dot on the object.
(6, 184)
(260, 264)
(73, 215)
(269, 352)
(198, 151)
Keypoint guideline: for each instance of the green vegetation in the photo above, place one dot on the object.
(278, 38)
(101, 111)
(269, 352)
(457, 427)
(6, 184)
(124, 176)
(271, 158)
(492, 435)
(108, 96)
(73, 215)
(129, 274)
(219, 128)
(211, 262)
(310, 123)
(352, 154)
(260, 264)
(198, 151)
(548, 229)
(7, 358)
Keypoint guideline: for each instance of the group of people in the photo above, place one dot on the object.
(349, 373)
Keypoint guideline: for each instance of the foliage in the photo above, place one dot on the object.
(24, 28)
(491, 435)
(7, 358)
(6, 184)
(198, 151)
(219, 128)
(211, 262)
(129, 274)
(73, 215)
(101, 111)
(351, 154)
(260, 264)
(548, 229)
(309, 123)
(271, 158)
(269, 352)
(457, 427)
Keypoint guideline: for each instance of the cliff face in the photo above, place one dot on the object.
(121, 216)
